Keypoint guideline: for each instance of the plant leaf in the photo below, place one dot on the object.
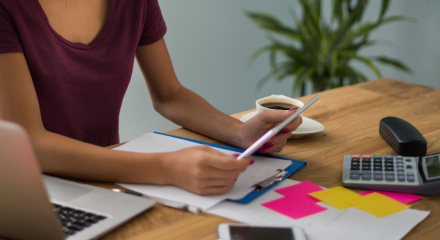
(361, 76)
(272, 59)
(363, 30)
(352, 76)
(366, 28)
(320, 51)
(337, 11)
(361, 44)
(398, 18)
(342, 31)
(360, 9)
(259, 51)
(333, 66)
(301, 75)
(290, 51)
(317, 5)
(311, 18)
(266, 78)
(384, 8)
(364, 60)
(305, 35)
(270, 23)
(395, 63)
(369, 63)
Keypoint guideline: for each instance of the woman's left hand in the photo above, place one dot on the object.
(255, 127)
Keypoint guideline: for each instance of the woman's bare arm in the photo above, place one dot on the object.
(177, 103)
(187, 109)
(60, 155)
(200, 170)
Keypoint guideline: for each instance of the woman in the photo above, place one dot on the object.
(64, 68)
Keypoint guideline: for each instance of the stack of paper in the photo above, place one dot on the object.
(377, 204)
(405, 198)
(347, 224)
(374, 203)
(262, 169)
(336, 197)
(301, 200)
(296, 202)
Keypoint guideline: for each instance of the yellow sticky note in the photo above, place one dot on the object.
(377, 204)
(336, 197)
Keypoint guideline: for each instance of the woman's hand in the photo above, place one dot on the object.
(255, 127)
(203, 170)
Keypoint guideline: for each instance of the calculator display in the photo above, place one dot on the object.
(433, 166)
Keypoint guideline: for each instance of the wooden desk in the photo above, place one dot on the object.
(351, 118)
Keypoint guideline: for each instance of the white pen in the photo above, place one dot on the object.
(262, 140)
(168, 203)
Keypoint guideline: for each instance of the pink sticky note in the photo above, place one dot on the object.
(404, 198)
(295, 206)
(303, 188)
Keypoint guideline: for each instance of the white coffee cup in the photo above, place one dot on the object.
(283, 100)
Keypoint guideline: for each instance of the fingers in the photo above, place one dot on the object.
(211, 186)
(220, 165)
(275, 116)
(221, 173)
(212, 172)
(272, 116)
(203, 170)
(267, 146)
(292, 126)
(275, 144)
(225, 162)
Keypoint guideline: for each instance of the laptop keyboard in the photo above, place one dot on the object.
(74, 220)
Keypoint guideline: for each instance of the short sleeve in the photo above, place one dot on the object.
(154, 26)
(9, 39)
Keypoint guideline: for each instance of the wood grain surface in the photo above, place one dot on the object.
(351, 118)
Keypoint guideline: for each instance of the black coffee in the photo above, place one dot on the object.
(278, 105)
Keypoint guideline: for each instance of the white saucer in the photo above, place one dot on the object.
(308, 126)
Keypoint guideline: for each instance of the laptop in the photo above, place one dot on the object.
(36, 206)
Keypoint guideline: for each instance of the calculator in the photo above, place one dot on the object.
(411, 174)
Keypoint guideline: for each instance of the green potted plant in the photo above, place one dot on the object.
(320, 50)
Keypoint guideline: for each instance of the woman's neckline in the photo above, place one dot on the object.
(96, 41)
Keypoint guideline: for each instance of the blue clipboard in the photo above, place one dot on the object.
(295, 166)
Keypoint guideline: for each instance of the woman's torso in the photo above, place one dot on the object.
(80, 87)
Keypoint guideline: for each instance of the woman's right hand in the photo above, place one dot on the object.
(203, 170)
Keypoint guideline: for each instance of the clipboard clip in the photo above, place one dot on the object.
(271, 180)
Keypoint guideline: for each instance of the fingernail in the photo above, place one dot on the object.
(286, 130)
(235, 154)
(262, 150)
(251, 162)
(295, 108)
(269, 145)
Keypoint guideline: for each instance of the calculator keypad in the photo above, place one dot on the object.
(380, 169)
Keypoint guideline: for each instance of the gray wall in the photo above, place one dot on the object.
(210, 43)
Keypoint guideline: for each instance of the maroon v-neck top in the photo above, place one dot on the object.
(80, 87)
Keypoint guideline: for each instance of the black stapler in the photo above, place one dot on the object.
(403, 137)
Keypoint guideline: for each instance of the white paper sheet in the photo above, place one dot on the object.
(153, 143)
(347, 224)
